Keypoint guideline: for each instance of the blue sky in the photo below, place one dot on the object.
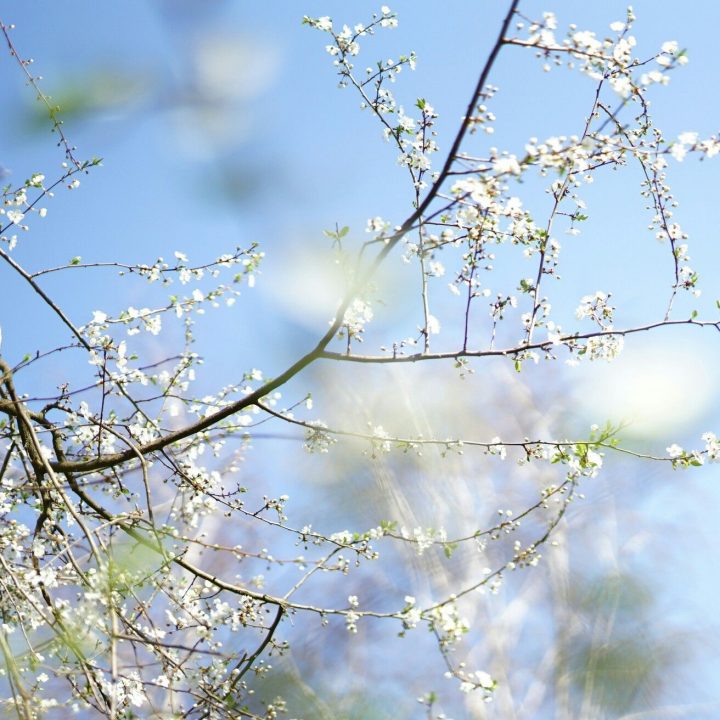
(220, 124)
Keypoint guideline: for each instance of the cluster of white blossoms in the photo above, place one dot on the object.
(345, 40)
(447, 622)
(416, 141)
(598, 58)
(682, 458)
(596, 308)
(477, 680)
(424, 538)
(316, 439)
(712, 447)
(414, 136)
(243, 264)
(17, 206)
(356, 317)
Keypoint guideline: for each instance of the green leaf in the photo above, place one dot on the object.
(526, 286)
(388, 525)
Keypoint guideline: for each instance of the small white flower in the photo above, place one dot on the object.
(15, 216)
(507, 165)
(351, 621)
(376, 225)
(484, 680)
(324, 23)
(712, 446)
(621, 85)
(678, 151)
(688, 138)
(435, 268)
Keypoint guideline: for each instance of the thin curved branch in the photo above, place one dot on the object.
(565, 340)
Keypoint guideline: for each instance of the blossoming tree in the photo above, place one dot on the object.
(132, 540)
